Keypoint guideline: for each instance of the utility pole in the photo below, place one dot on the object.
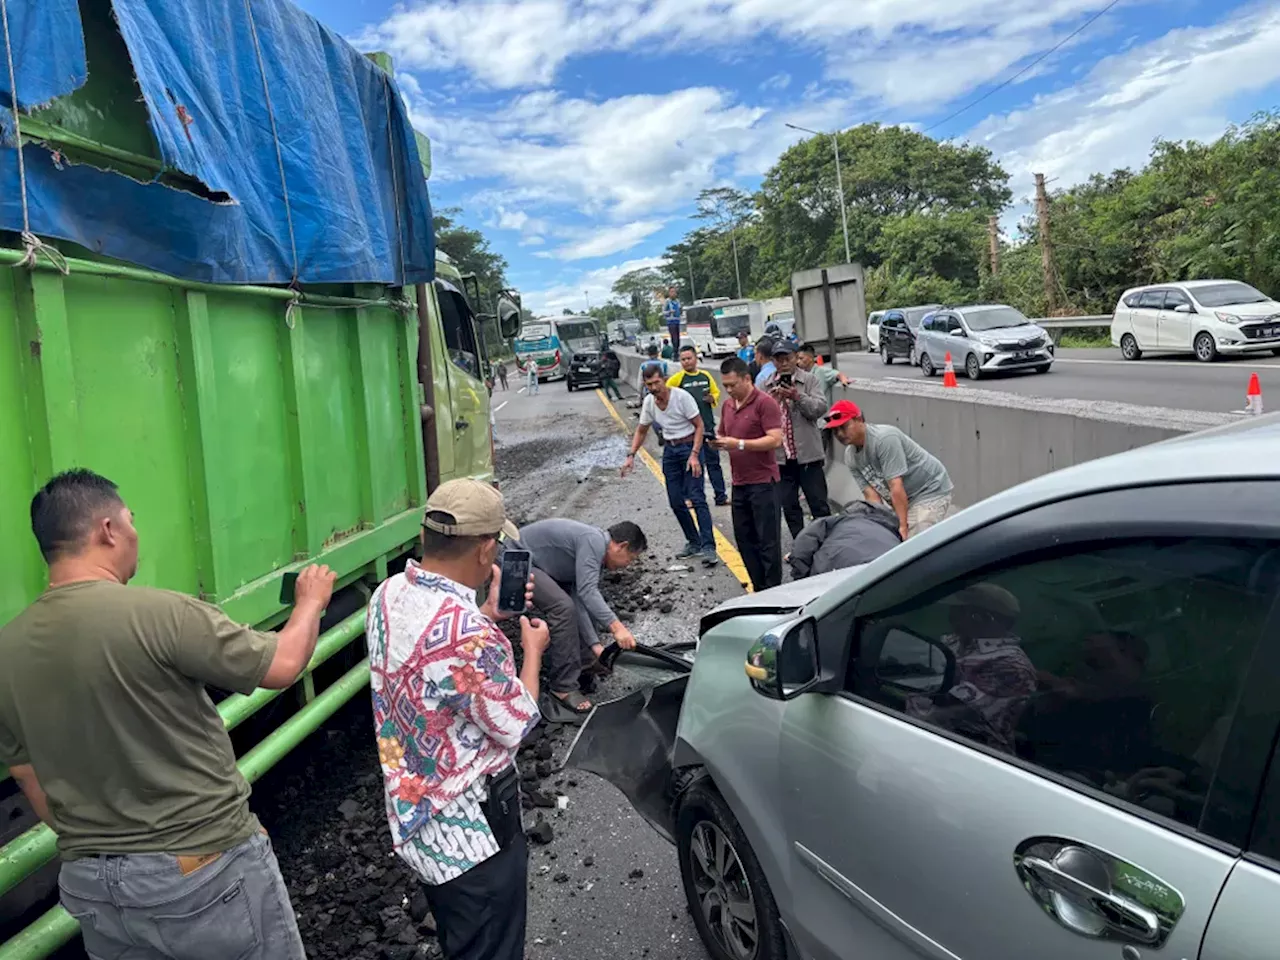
(733, 237)
(693, 294)
(844, 217)
(993, 232)
(1046, 247)
(588, 296)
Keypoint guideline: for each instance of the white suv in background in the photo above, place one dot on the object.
(1202, 317)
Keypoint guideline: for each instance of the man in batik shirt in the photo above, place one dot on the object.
(450, 714)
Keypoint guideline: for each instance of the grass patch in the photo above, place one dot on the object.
(1085, 337)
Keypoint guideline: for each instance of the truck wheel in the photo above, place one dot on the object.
(729, 897)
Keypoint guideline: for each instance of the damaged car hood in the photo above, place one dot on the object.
(784, 599)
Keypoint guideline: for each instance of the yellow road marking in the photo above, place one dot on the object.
(725, 549)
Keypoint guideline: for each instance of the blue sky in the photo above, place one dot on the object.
(577, 133)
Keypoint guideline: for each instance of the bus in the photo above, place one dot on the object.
(537, 344)
(728, 317)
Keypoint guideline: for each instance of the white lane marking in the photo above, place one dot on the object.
(498, 408)
(1230, 366)
(522, 390)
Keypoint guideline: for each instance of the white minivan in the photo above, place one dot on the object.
(1202, 317)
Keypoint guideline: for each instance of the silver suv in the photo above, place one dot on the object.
(982, 339)
(1045, 728)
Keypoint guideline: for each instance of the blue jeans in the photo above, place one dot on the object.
(714, 472)
(682, 487)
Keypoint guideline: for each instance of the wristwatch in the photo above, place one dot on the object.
(742, 445)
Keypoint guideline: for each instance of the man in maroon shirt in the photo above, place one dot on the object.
(750, 431)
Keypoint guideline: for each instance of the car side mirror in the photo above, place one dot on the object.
(910, 664)
(509, 313)
(784, 662)
(959, 332)
(1184, 308)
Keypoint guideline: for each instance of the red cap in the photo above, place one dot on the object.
(841, 412)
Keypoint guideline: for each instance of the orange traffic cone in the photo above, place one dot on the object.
(949, 373)
(1253, 397)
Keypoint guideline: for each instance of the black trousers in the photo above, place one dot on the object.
(757, 528)
(482, 914)
(810, 478)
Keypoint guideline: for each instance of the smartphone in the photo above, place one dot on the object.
(784, 379)
(288, 586)
(516, 567)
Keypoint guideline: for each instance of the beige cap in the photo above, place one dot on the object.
(990, 597)
(476, 508)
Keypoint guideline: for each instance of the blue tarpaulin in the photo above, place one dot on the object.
(257, 101)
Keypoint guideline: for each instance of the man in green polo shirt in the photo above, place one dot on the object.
(106, 726)
(700, 385)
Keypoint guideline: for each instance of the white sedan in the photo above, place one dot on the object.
(1201, 317)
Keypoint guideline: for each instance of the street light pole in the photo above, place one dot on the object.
(844, 217)
(693, 294)
(588, 296)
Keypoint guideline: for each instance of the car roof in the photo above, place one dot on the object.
(1185, 284)
(1247, 450)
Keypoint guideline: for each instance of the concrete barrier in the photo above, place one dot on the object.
(990, 441)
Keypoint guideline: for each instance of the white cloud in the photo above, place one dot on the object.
(1177, 87)
(608, 240)
(595, 284)
(779, 81)
(510, 44)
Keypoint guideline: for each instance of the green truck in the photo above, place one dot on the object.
(253, 428)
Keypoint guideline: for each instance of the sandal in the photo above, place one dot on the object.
(573, 708)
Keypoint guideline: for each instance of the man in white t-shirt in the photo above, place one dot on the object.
(675, 415)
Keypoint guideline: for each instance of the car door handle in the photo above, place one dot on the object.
(461, 424)
(1120, 913)
(1096, 895)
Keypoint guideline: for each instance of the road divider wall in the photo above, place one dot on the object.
(991, 441)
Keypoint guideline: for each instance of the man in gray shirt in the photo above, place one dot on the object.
(893, 469)
(568, 558)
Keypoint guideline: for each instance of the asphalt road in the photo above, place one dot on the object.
(1101, 374)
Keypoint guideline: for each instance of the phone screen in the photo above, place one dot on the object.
(516, 567)
(785, 379)
(288, 585)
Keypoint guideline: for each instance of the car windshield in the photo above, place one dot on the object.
(726, 326)
(535, 331)
(1228, 295)
(578, 334)
(916, 315)
(994, 318)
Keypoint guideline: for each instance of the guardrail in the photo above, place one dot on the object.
(1067, 323)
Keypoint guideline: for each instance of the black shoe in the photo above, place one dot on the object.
(722, 502)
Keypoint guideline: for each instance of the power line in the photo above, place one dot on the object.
(1034, 63)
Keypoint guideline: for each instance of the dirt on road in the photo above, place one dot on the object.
(602, 883)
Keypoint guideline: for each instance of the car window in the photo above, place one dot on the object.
(1133, 300)
(1175, 298)
(1151, 299)
(459, 334)
(1114, 666)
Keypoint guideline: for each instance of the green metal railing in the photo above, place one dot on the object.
(38, 846)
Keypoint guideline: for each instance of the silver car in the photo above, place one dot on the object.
(1044, 728)
(981, 340)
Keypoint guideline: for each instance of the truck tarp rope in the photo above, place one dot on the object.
(35, 247)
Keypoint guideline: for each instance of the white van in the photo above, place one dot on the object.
(1202, 317)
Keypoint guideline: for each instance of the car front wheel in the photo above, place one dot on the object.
(926, 365)
(1206, 349)
(972, 367)
(728, 894)
(885, 358)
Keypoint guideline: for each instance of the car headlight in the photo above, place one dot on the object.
(1227, 317)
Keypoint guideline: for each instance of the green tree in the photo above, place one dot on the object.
(728, 211)
(637, 288)
(470, 252)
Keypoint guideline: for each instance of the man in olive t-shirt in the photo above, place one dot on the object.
(106, 726)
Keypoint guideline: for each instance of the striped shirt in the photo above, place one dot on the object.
(449, 711)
